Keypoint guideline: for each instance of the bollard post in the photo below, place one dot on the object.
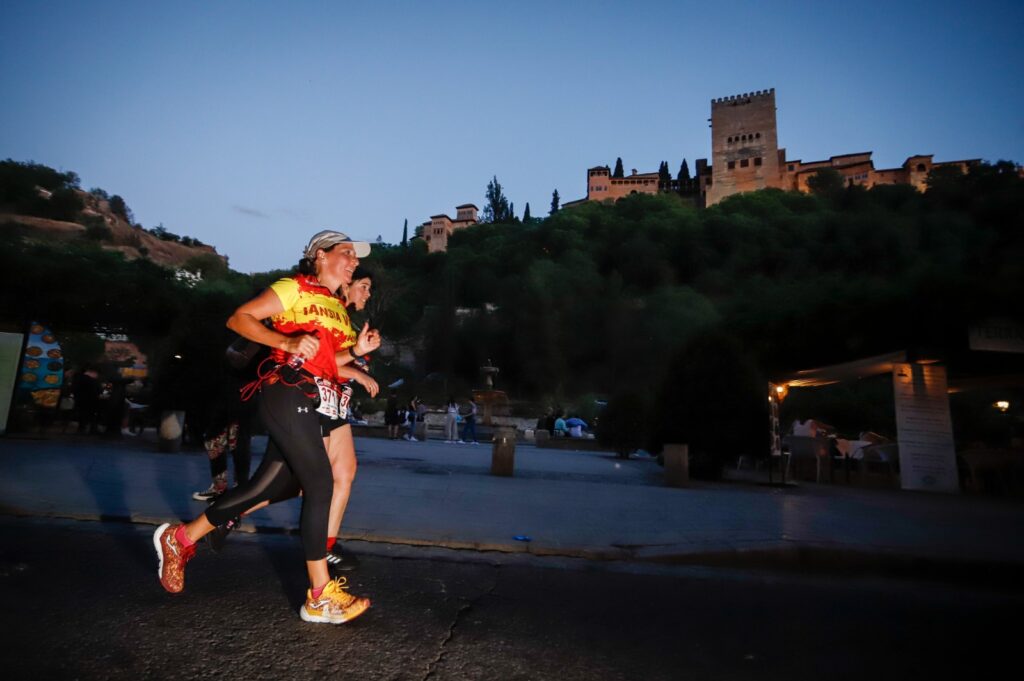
(677, 465)
(172, 427)
(503, 452)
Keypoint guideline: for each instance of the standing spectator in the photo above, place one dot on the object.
(451, 419)
(391, 416)
(139, 396)
(421, 415)
(469, 429)
(86, 390)
(115, 415)
(410, 419)
(66, 405)
(547, 421)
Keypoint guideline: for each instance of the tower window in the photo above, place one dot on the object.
(757, 160)
(732, 165)
(744, 163)
(757, 135)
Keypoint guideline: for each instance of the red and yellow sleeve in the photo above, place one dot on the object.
(287, 291)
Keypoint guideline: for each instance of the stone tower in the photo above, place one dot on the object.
(744, 145)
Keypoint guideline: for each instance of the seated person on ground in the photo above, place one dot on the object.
(560, 429)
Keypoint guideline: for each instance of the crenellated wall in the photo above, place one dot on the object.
(744, 144)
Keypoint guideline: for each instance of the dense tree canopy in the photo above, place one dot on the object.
(605, 299)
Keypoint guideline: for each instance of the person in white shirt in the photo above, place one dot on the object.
(808, 428)
(451, 419)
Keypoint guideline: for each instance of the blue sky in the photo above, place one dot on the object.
(251, 125)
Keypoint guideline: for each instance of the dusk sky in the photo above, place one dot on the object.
(252, 125)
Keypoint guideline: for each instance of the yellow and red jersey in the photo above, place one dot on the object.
(312, 308)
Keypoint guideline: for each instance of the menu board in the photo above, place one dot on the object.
(42, 367)
(924, 428)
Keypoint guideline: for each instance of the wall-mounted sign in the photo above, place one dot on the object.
(924, 428)
(997, 335)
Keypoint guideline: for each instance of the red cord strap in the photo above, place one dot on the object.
(265, 375)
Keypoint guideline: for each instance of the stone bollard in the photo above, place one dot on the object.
(503, 452)
(677, 465)
(170, 430)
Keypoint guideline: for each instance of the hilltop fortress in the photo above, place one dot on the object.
(745, 157)
(438, 228)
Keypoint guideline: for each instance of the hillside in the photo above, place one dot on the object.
(49, 205)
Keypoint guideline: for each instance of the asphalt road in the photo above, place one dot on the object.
(81, 600)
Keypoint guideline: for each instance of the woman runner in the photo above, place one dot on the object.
(341, 448)
(338, 442)
(310, 328)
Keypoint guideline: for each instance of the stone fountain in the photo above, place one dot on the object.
(490, 401)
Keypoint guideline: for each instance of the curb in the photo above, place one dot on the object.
(784, 556)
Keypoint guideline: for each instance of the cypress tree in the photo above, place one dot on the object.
(618, 168)
(405, 233)
(526, 213)
(554, 203)
(683, 178)
(497, 208)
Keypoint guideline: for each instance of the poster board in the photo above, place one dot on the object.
(42, 367)
(10, 356)
(924, 428)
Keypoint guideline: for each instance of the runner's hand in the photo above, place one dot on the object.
(368, 383)
(305, 345)
(367, 341)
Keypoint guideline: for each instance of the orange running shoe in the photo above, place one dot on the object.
(335, 605)
(173, 557)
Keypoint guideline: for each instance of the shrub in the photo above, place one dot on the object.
(625, 424)
(713, 400)
(120, 208)
(96, 230)
(161, 233)
(64, 204)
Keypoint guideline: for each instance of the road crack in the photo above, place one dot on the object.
(459, 617)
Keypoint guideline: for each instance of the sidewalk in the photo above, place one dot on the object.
(579, 504)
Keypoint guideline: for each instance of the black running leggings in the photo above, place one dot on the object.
(295, 459)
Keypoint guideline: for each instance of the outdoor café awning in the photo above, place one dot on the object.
(847, 371)
(975, 377)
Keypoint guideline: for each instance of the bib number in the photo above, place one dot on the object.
(334, 401)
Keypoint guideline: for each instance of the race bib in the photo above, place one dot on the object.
(334, 401)
(329, 397)
(345, 393)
